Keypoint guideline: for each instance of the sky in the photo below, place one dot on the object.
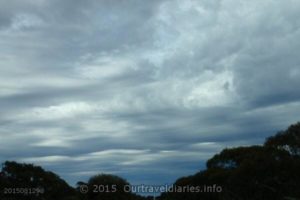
(147, 90)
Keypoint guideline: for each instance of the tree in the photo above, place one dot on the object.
(270, 171)
(106, 187)
(288, 140)
(46, 185)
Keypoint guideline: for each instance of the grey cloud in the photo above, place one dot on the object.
(179, 80)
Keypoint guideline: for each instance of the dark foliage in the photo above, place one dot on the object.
(26, 181)
(106, 187)
(288, 140)
(256, 172)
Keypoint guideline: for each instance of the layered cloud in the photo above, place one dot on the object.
(144, 89)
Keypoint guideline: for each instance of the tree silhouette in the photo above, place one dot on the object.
(107, 187)
(288, 140)
(46, 185)
(270, 171)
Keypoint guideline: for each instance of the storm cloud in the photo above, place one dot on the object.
(148, 90)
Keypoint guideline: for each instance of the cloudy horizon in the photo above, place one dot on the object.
(148, 90)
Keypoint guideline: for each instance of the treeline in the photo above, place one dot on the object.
(269, 171)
